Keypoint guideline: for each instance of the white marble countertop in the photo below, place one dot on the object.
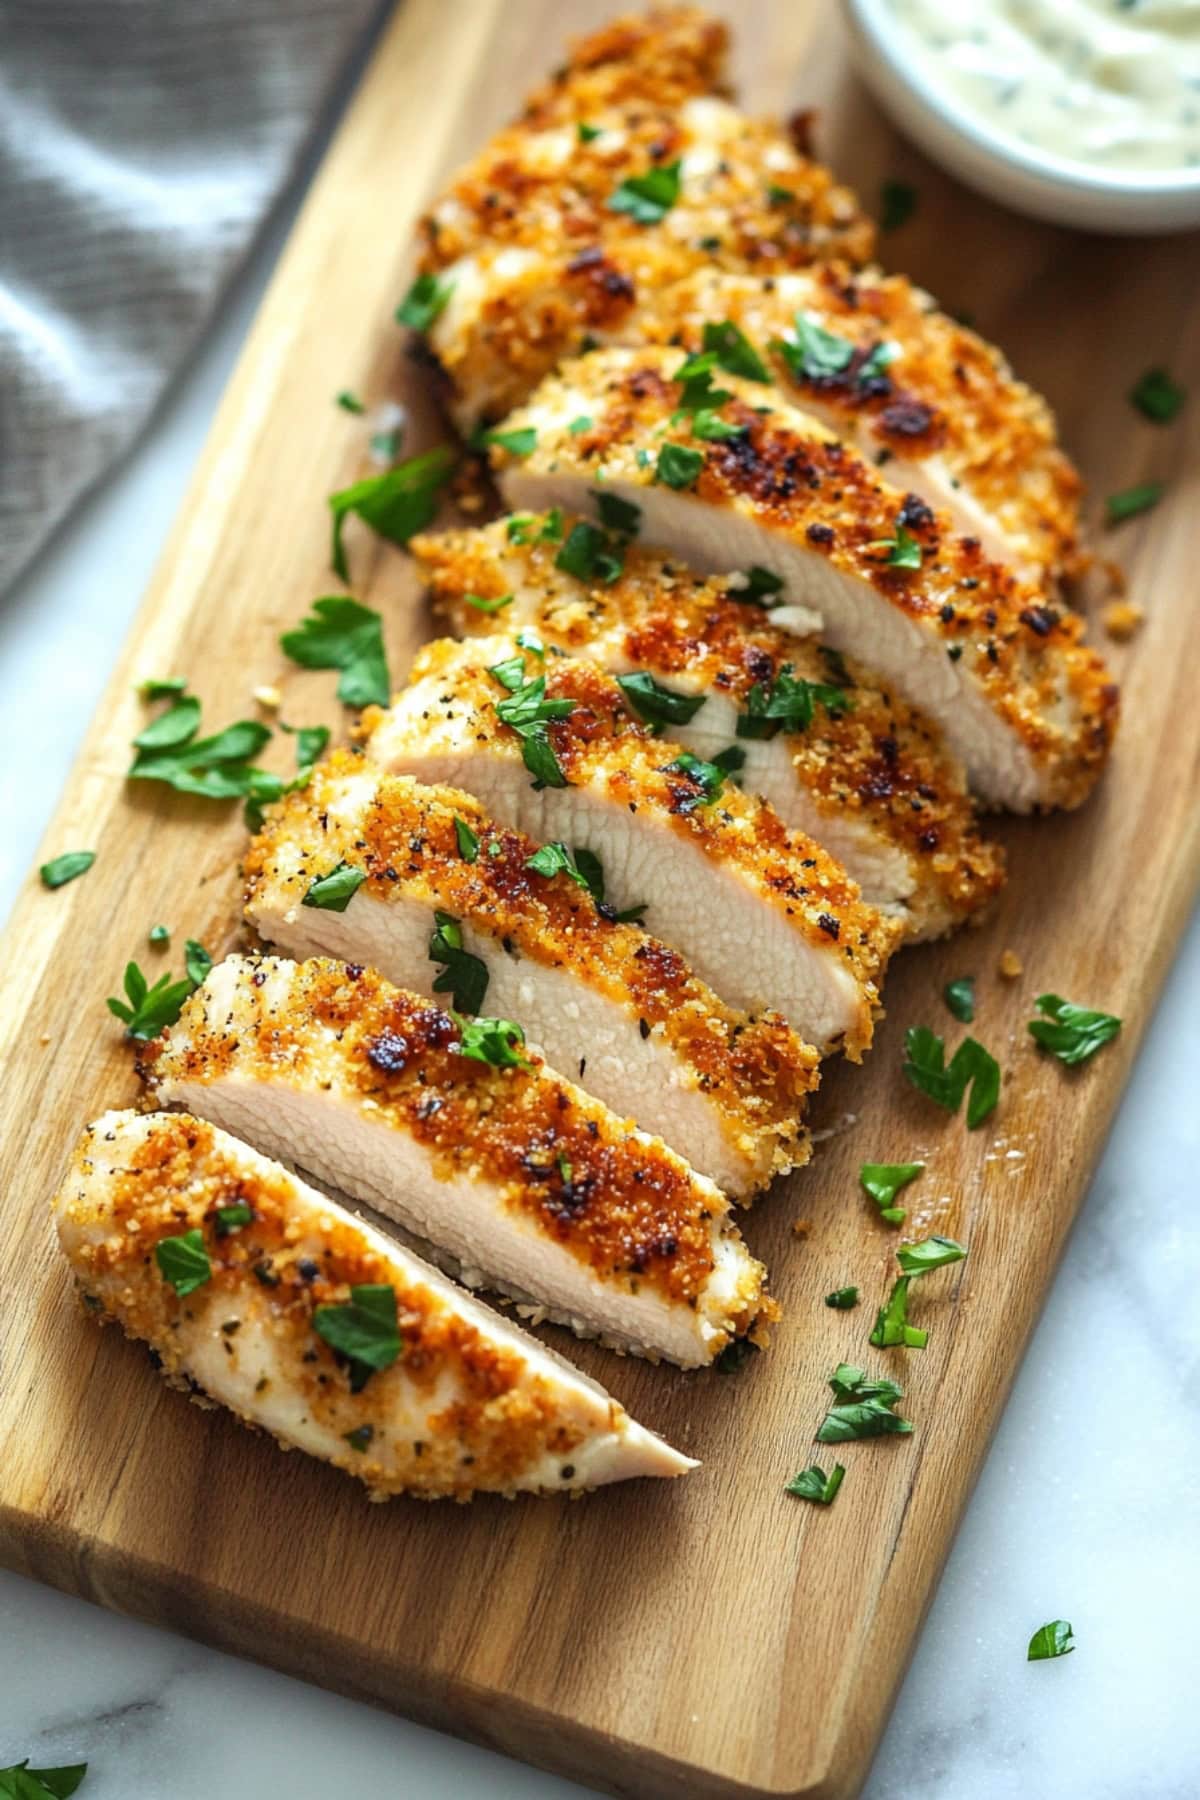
(1086, 1508)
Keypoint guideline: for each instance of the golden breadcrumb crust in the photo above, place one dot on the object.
(268, 1277)
(623, 1205)
(749, 200)
(946, 394)
(795, 478)
(884, 761)
(599, 745)
(754, 1070)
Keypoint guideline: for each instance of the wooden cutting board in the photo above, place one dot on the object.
(711, 1637)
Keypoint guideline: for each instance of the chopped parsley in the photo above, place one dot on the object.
(655, 704)
(582, 423)
(342, 634)
(497, 1042)
(489, 606)
(334, 892)
(1048, 1641)
(618, 515)
(20, 1782)
(463, 976)
(197, 962)
(587, 134)
(468, 842)
(930, 1253)
(814, 353)
(162, 688)
(183, 1261)
(842, 1299)
(678, 466)
(425, 299)
(891, 1323)
(709, 426)
(814, 1484)
(590, 554)
(590, 868)
(788, 704)
(231, 1218)
(359, 1439)
(528, 712)
(759, 584)
(521, 442)
(898, 202)
(648, 198)
(903, 550)
(959, 996)
(147, 1009)
(177, 724)
(520, 528)
(396, 504)
(864, 1407)
(883, 1181)
(350, 402)
(160, 934)
(709, 777)
(1072, 1033)
(1157, 397)
(310, 743)
(971, 1067)
(734, 351)
(364, 1330)
(1134, 500)
(60, 869)
(734, 1357)
(555, 859)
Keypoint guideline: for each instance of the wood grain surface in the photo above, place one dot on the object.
(710, 1637)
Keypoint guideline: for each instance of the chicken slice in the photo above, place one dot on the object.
(539, 243)
(762, 914)
(227, 1266)
(1022, 701)
(597, 996)
(522, 1181)
(872, 358)
(863, 772)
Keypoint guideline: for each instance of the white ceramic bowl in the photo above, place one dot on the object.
(1029, 180)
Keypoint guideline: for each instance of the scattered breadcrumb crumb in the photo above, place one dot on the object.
(802, 1227)
(1011, 965)
(269, 697)
(1121, 619)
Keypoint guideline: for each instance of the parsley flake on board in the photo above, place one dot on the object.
(1048, 1641)
(648, 198)
(656, 705)
(350, 402)
(220, 767)
(20, 1782)
(959, 996)
(68, 867)
(184, 1262)
(396, 504)
(1072, 1033)
(734, 351)
(814, 1484)
(1157, 397)
(146, 1009)
(364, 1330)
(788, 704)
(678, 467)
(197, 962)
(1131, 501)
(163, 688)
(842, 1299)
(310, 744)
(971, 1067)
(891, 1322)
(898, 202)
(333, 892)
(425, 299)
(463, 976)
(930, 1253)
(864, 1407)
(883, 1181)
(497, 1042)
(468, 842)
(342, 634)
(160, 934)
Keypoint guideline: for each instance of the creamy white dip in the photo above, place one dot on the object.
(1114, 84)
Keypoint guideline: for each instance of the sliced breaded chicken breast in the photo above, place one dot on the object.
(256, 1289)
(842, 759)
(624, 173)
(753, 481)
(918, 394)
(462, 1136)
(764, 915)
(601, 999)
